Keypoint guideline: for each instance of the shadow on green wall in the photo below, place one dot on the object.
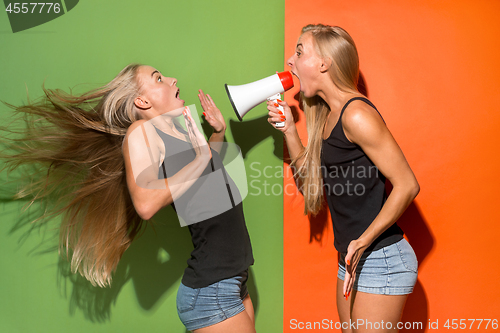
(154, 263)
(250, 133)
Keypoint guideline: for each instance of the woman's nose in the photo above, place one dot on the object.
(174, 81)
(289, 62)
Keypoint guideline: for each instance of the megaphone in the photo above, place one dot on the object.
(247, 96)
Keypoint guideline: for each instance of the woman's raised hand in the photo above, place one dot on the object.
(212, 113)
(198, 140)
(277, 116)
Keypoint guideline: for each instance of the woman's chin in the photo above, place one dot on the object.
(175, 112)
(306, 94)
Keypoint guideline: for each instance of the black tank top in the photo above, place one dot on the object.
(355, 189)
(222, 247)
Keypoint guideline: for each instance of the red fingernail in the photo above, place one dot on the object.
(348, 262)
(204, 114)
(276, 104)
(280, 112)
(279, 100)
(283, 118)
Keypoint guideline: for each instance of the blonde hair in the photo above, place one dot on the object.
(335, 44)
(75, 143)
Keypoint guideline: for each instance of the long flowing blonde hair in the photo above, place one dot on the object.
(336, 44)
(75, 143)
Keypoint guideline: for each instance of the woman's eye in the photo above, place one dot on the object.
(159, 79)
(298, 53)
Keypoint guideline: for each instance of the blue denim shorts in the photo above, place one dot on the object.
(202, 307)
(391, 270)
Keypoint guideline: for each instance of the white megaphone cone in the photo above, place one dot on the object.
(246, 96)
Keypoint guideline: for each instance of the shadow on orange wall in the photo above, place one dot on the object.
(412, 222)
(432, 69)
(420, 237)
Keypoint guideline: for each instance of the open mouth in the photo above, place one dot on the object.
(295, 75)
(177, 93)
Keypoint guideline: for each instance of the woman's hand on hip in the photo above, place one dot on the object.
(354, 252)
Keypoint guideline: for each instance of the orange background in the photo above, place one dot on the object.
(432, 69)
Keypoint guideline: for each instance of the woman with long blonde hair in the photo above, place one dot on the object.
(112, 158)
(349, 155)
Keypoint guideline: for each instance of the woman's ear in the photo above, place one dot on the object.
(142, 103)
(326, 63)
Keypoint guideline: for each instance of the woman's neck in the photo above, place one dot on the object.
(163, 123)
(336, 98)
(167, 125)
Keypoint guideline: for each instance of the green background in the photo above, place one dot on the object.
(203, 44)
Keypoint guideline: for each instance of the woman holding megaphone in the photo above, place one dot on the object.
(349, 155)
(114, 157)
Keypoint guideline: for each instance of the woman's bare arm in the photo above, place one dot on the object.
(142, 159)
(363, 126)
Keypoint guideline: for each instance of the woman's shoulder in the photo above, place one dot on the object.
(139, 132)
(360, 111)
(138, 123)
(361, 119)
(139, 128)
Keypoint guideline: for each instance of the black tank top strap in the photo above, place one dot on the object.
(364, 99)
